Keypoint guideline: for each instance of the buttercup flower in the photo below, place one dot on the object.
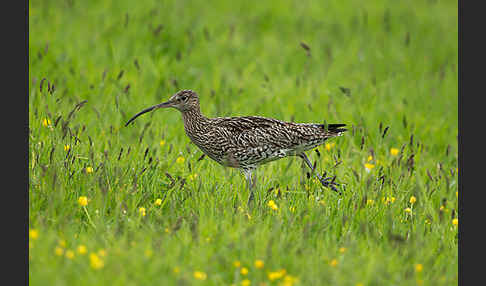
(369, 166)
(95, 262)
(69, 254)
(83, 201)
(329, 146)
(272, 205)
(180, 160)
(333, 263)
(200, 275)
(33, 233)
(277, 274)
(58, 251)
(46, 122)
(259, 264)
(82, 249)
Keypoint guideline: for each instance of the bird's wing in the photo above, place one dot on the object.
(244, 123)
(255, 131)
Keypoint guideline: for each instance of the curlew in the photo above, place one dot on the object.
(246, 142)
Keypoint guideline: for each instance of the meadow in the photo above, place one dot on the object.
(137, 205)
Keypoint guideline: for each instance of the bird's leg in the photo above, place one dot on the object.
(326, 182)
(250, 179)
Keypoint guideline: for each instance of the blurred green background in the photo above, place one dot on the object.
(373, 65)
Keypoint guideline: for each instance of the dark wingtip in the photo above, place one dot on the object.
(335, 126)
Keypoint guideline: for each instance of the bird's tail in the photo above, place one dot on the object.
(334, 129)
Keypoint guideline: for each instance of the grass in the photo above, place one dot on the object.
(381, 65)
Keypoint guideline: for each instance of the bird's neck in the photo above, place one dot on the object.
(194, 120)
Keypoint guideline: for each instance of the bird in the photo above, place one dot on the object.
(246, 142)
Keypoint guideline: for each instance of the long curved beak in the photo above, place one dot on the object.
(161, 105)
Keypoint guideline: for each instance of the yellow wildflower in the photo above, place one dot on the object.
(158, 202)
(259, 264)
(369, 166)
(245, 282)
(89, 170)
(408, 210)
(342, 249)
(394, 151)
(180, 160)
(388, 200)
(82, 249)
(69, 254)
(455, 221)
(370, 202)
(370, 158)
(67, 147)
(176, 270)
(162, 143)
(359, 284)
(142, 211)
(292, 209)
(329, 146)
(289, 280)
(62, 243)
(441, 208)
(457, 194)
(33, 233)
(418, 267)
(277, 274)
(200, 275)
(46, 122)
(413, 200)
(244, 271)
(272, 205)
(333, 263)
(95, 262)
(192, 177)
(59, 251)
(237, 263)
(83, 201)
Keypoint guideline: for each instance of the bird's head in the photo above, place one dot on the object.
(184, 100)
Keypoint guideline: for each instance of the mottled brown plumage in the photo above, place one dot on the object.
(246, 142)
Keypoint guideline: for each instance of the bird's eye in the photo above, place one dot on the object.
(183, 98)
